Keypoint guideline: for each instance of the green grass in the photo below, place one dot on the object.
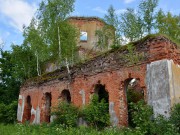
(44, 129)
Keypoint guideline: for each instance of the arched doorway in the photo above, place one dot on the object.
(28, 108)
(134, 93)
(47, 107)
(65, 96)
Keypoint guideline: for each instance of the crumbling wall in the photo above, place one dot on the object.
(89, 25)
(163, 84)
(111, 70)
(157, 80)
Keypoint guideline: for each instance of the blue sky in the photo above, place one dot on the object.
(16, 13)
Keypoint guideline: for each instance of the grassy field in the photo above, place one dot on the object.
(19, 129)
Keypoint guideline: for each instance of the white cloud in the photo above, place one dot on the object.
(17, 12)
(128, 1)
(100, 10)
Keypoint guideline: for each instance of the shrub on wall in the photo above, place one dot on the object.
(96, 113)
(66, 114)
(163, 126)
(142, 118)
(141, 114)
(175, 116)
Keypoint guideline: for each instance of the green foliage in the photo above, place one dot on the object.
(169, 25)
(105, 36)
(19, 129)
(134, 25)
(9, 88)
(147, 10)
(111, 18)
(33, 38)
(131, 26)
(132, 57)
(96, 113)
(60, 36)
(53, 10)
(134, 96)
(23, 62)
(162, 125)
(141, 114)
(8, 113)
(66, 114)
(68, 37)
(9, 84)
(50, 36)
(175, 116)
(142, 117)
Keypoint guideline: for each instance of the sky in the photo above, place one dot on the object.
(16, 13)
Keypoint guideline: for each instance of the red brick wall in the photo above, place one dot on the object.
(107, 70)
(113, 81)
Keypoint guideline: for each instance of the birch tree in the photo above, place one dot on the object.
(34, 39)
(52, 16)
(147, 10)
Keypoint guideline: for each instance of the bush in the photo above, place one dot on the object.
(141, 116)
(66, 114)
(163, 126)
(145, 124)
(8, 113)
(175, 116)
(97, 113)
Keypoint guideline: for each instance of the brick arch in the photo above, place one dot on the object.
(123, 99)
(96, 87)
(127, 81)
(140, 77)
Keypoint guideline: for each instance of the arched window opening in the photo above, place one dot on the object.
(101, 92)
(28, 108)
(134, 93)
(47, 107)
(66, 96)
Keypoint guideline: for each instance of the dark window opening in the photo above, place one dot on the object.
(101, 93)
(47, 107)
(66, 96)
(28, 108)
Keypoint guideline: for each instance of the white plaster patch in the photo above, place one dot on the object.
(82, 92)
(113, 118)
(20, 97)
(20, 110)
(52, 118)
(36, 114)
(158, 87)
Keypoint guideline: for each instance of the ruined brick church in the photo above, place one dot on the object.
(157, 75)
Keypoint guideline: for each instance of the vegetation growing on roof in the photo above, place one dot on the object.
(127, 53)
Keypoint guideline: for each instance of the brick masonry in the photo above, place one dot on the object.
(109, 69)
